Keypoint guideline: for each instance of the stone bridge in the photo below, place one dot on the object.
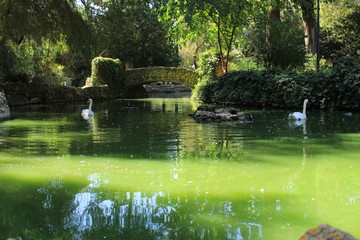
(138, 76)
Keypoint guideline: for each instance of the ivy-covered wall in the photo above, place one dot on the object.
(107, 71)
(137, 76)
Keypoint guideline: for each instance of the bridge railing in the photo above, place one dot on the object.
(184, 76)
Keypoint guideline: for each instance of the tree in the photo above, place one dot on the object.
(274, 18)
(221, 19)
(340, 27)
(46, 22)
(308, 16)
(130, 30)
(40, 19)
(275, 36)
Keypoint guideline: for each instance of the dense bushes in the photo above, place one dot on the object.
(341, 38)
(107, 71)
(343, 85)
(7, 62)
(337, 88)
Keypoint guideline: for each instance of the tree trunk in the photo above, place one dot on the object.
(221, 37)
(308, 16)
(274, 18)
(222, 59)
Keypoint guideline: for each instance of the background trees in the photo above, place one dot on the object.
(277, 29)
(130, 30)
(58, 39)
(40, 19)
(340, 30)
(220, 21)
(76, 31)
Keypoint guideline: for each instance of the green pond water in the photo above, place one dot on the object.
(144, 169)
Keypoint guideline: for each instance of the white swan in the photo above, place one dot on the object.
(88, 113)
(299, 115)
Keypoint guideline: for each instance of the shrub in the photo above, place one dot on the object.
(338, 88)
(344, 80)
(7, 62)
(107, 71)
(207, 73)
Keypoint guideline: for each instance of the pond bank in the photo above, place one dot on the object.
(25, 93)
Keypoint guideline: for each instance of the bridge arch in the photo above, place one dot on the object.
(138, 76)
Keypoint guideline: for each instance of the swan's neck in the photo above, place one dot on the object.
(90, 105)
(304, 107)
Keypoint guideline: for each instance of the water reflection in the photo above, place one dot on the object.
(158, 214)
(146, 170)
(300, 123)
(169, 95)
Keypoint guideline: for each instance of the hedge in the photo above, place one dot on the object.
(336, 88)
(107, 71)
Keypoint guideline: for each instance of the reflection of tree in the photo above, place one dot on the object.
(43, 137)
(93, 212)
(224, 142)
(211, 140)
(37, 214)
(156, 215)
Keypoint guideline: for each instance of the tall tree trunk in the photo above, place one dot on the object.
(222, 59)
(196, 53)
(229, 45)
(308, 16)
(221, 37)
(273, 18)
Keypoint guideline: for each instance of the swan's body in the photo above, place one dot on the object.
(88, 113)
(299, 115)
(297, 123)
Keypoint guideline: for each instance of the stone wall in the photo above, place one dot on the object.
(26, 93)
(4, 107)
(137, 76)
(21, 94)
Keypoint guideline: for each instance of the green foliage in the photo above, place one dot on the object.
(311, 62)
(41, 19)
(338, 88)
(344, 81)
(217, 22)
(37, 34)
(206, 70)
(30, 60)
(207, 64)
(130, 31)
(284, 48)
(7, 62)
(341, 37)
(16, 64)
(240, 62)
(35, 30)
(107, 71)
